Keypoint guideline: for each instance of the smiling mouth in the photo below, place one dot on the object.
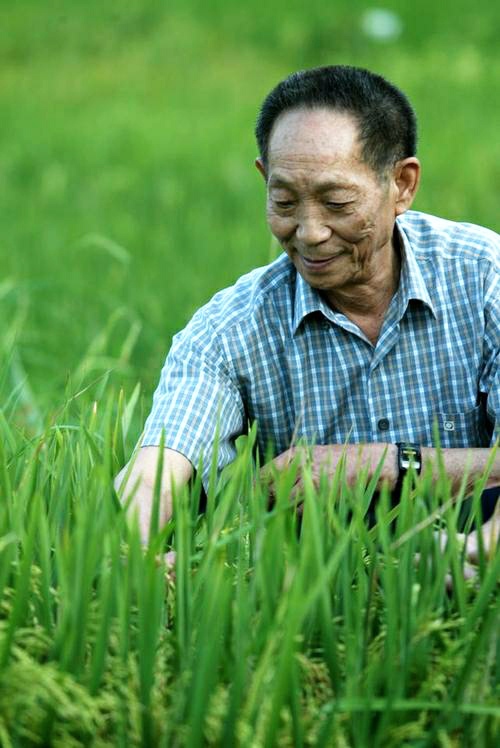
(318, 264)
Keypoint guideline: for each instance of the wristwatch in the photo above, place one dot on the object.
(409, 454)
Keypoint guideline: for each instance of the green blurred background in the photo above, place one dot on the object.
(128, 194)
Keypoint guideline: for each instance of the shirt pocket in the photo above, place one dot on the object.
(466, 429)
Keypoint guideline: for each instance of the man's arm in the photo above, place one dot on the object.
(323, 459)
(177, 470)
(458, 461)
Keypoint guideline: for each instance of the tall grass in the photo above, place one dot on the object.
(279, 628)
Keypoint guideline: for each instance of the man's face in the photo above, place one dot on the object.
(332, 214)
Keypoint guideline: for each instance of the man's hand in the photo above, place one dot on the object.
(490, 533)
(176, 470)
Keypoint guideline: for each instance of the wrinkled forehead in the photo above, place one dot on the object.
(308, 148)
(316, 133)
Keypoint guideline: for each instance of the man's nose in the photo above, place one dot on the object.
(312, 230)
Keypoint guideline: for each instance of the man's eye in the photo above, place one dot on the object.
(283, 204)
(335, 206)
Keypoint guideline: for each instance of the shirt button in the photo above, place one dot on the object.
(383, 424)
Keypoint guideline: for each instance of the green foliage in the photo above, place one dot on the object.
(278, 629)
(128, 197)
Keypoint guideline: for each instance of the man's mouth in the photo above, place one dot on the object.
(319, 263)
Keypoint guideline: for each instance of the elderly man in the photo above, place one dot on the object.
(376, 325)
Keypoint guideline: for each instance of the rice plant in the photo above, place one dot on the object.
(280, 626)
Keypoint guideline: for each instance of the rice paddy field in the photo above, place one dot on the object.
(128, 196)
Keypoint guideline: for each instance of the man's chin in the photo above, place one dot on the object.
(322, 280)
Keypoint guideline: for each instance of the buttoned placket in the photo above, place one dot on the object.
(381, 414)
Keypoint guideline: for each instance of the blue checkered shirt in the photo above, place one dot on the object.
(269, 349)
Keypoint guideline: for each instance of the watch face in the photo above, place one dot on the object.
(409, 454)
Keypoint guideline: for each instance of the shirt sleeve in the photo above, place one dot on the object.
(489, 382)
(196, 399)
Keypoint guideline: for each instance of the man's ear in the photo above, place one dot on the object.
(260, 167)
(407, 179)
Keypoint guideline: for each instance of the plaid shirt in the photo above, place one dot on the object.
(269, 349)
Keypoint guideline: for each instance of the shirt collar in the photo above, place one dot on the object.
(411, 281)
(411, 286)
(307, 301)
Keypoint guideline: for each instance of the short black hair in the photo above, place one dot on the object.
(386, 120)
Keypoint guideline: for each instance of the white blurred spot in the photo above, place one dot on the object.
(380, 24)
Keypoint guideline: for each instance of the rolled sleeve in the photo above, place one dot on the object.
(196, 399)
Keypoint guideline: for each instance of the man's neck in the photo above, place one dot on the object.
(366, 303)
